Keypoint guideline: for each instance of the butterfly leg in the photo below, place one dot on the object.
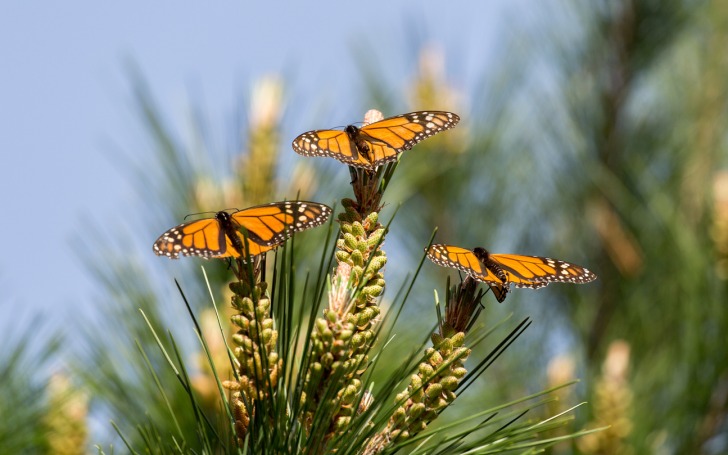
(354, 175)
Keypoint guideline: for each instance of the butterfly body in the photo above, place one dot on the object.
(377, 143)
(265, 226)
(229, 229)
(499, 271)
(484, 257)
(354, 136)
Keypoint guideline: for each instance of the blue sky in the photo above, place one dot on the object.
(67, 119)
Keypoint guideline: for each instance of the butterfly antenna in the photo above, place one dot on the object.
(209, 212)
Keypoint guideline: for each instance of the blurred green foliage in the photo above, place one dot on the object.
(25, 398)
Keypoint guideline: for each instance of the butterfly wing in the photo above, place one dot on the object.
(389, 137)
(381, 141)
(332, 143)
(465, 260)
(523, 271)
(500, 291)
(536, 271)
(461, 259)
(267, 227)
(203, 238)
(270, 225)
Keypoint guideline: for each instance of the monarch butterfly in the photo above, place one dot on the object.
(267, 226)
(499, 271)
(376, 143)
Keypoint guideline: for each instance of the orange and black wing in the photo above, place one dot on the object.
(500, 291)
(266, 226)
(389, 137)
(461, 259)
(376, 143)
(270, 225)
(522, 271)
(536, 271)
(465, 260)
(332, 143)
(204, 238)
